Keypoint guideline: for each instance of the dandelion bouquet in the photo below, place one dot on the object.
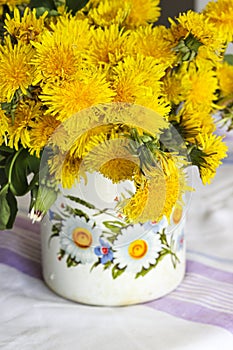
(59, 58)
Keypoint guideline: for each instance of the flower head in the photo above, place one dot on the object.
(200, 86)
(142, 13)
(4, 127)
(156, 42)
(108, 12)
(195, 25)
(225, 76)
(84, 91)
(108, 45)
(59, 52)
(15, 70)
(136, 248)
(208, 154)
(219, 14)
(13, 3)
(79, 238)
(25, 28)
(26, 116)
(104, 251)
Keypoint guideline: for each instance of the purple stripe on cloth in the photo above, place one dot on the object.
(193, 312)
(26, 224)
(21, 263)
(210, 272)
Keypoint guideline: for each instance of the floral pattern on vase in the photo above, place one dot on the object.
(88, 235)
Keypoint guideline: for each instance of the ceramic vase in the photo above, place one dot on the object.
(92, 255)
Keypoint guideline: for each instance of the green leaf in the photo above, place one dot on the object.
(71, 262)
(116, 272)
(5, 208)
(8, 207)
(81, 201)
(113, 227)
(45, 198)
(97, 263)
(6, 149)
(77, 212)
(18, 181)
(76, 5)
(18, 166)
(56, 228)
(229, 59)
(107, 265)
(13, 209)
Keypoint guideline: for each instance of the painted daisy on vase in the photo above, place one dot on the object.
(78, 239)
(136, 254)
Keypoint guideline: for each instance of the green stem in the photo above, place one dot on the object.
(12, 165)
(3, 188)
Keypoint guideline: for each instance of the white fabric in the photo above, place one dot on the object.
(32, 317)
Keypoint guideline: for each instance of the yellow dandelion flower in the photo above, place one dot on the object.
(134, 206)
(164, 192)
(172, 195)
(76, 32)
(70, 172)
(12, 3)
(208, 125)
(142, 13)
(157, 195)
(154, 101)
(148, 201)
(201, 29)
(15, 69)
(59, 53)
(208, 155)
(4, 127)
(25, 28)
(118, 169)
(60, 137)
(225, 76)
(173, 88)
(200, 86)
(156, 42)
(112, 159)
(135, 77)
(65, 169)
(136, 116)
(109, 12)
(41, 132)
(72, 96)
(83, 142)
(190, 124)
(219, 14)
(26, 115)
(108, 45)
(55, 163)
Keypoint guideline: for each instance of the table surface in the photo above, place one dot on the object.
(197, 315)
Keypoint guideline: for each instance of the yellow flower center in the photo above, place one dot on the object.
(82, 237)
(138, 249)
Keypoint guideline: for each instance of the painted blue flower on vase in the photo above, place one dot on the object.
(104, 251)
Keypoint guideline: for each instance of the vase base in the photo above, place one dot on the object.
(99, 289)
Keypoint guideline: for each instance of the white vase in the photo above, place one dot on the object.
(92, 256)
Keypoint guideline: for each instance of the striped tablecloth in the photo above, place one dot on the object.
(197, 315)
